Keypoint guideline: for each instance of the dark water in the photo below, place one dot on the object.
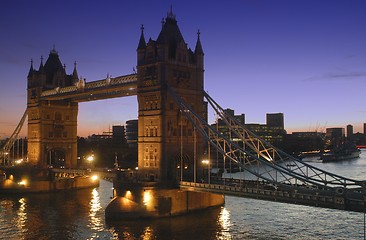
(80, 215)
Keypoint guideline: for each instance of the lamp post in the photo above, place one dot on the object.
(90, 159)
(207, 162)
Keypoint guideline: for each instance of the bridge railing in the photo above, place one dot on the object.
(351, 201)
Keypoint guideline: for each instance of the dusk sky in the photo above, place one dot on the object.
(304, 58)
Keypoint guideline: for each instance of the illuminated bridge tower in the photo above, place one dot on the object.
(167, 143)
(52, 125)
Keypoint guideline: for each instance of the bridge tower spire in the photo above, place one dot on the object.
(166, 142)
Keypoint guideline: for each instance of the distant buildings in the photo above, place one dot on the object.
(272, 132)
(116, 136)
(337, 137)
(116, 147)
(332, 133)
(300, 142)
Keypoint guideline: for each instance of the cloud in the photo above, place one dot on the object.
(337, 76)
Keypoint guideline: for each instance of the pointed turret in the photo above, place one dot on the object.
(55, 72)
(41, 67)
(170, 31)
(198, 49)
(31, 69)
(53, 62)
(141, 49)
(75, 77)
(142, 43)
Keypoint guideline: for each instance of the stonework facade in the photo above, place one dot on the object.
(165, 136)
(52, 125)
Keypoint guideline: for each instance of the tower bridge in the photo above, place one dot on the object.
(173, 133)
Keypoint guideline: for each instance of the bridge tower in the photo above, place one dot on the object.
(167, 143)
(52, 125)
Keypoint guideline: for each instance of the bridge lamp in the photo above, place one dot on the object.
(147, 198)
(19, 161)
(90, 159)
(207, 162)
(94, 178)
(23, 183)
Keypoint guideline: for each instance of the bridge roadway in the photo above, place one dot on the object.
(340, 198)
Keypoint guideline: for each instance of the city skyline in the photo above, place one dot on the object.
(303, 59)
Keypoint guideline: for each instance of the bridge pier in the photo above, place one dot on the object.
(137, 201)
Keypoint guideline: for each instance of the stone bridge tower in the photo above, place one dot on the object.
(52, 125)
(167, 143)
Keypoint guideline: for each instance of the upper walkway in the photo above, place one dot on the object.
(90, 91)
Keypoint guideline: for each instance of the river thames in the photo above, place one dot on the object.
(80, 215)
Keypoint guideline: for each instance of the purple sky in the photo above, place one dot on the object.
(305, 58)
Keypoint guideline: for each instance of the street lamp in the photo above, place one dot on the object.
(207, 162)
(90, 159)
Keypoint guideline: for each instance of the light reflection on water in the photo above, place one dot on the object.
(80, 215)
(225, 223)
(21, 215)
(95, 206)
(148, 233)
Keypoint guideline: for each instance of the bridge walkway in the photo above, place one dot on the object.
(339, 199)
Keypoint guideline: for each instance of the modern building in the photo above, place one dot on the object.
(118, 134)
(240, 118)
(304, 142)
(272, 132)
(334, 137)
(332, 133)
(275, 120)
(132, 133)
(349, 131)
